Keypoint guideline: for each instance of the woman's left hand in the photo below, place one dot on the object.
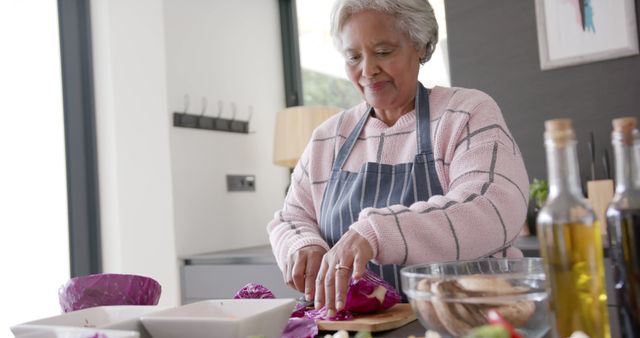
(348, 258)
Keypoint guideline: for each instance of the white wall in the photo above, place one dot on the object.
(163, 189)
(229, 51)
(133, 141)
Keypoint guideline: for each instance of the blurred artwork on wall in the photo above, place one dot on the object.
(574, 32)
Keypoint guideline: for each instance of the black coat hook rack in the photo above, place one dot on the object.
(210, 123)
(200, 121)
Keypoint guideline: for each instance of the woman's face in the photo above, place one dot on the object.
(380, 60)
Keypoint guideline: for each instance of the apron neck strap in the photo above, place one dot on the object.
(423, 131)
(346, 148)
(422, 128)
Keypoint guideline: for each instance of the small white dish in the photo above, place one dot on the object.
(112, 317)
(76, 332)
(223, 318)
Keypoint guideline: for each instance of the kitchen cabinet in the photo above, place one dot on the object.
(219, 275)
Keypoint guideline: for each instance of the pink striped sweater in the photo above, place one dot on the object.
(478, 163)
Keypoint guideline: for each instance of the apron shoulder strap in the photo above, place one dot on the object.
(346, 148)
(423, 124)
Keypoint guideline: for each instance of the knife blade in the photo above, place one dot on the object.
(606, 164)
(592, 154)
(304, 303)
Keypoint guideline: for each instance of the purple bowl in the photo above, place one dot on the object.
(108, 289)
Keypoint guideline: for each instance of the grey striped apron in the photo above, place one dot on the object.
(379, 185)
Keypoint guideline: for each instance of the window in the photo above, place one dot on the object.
(49, 217)
(324, 81)
(34, 234)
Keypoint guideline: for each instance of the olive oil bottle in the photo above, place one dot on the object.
(623, 221)
(571, 242)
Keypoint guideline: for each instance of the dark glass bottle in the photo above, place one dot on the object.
(623, 221)
(571, 242)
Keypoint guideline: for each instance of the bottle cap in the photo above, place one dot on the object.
(624, 130)
(556, 125)
(558, 132)
(624, 124)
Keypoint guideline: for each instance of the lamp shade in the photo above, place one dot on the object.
(294, 126)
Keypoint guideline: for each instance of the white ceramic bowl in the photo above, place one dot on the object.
(114, 317)
(222, 318)
(76, 332)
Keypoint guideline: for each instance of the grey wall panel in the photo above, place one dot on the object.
(493, 47)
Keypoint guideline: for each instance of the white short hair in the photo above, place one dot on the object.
(415, 17)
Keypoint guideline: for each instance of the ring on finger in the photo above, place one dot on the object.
(342, 267)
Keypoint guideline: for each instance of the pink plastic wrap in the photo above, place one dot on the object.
(108, 289)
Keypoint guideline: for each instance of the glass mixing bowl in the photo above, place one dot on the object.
(452, 298)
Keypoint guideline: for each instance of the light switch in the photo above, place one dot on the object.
(241, 183)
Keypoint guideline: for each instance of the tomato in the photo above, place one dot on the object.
(495, 318)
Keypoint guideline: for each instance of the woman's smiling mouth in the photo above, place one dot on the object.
(377, 86)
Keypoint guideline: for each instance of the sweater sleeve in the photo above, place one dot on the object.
(295, 225)
(485, 197)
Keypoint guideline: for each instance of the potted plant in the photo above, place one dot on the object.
(538, 192)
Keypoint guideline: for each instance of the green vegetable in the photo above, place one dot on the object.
(538, 191)
(489, 331)
(363, 334)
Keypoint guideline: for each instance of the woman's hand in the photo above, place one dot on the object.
(302, 269)
(350, 254)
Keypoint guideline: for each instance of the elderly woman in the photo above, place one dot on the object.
(411, 175)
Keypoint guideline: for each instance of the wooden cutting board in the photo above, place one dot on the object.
(394, 317)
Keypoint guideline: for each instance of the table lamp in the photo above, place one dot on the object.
(294, 126)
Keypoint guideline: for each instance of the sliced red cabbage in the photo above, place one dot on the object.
(108, 289)
(370, 294)
(300, 328)
(321, 314)
(253, 291)
(300, 309)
